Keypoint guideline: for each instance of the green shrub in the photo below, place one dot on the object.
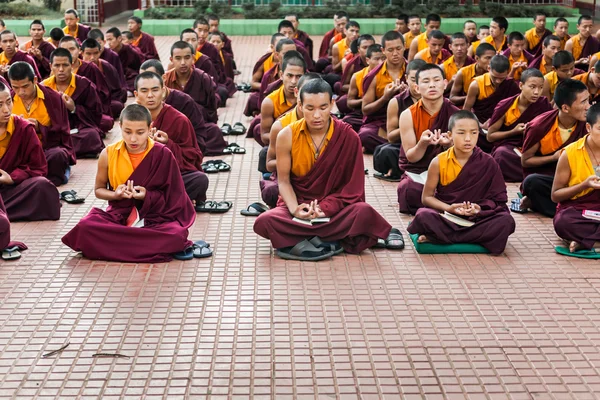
(25, 10)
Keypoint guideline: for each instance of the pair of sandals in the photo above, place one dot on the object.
(214, 207)
(214, 166)
(394, 241)
(237, 129)
(70, 196)
(200, 249)
(254, 210)
(311, 250)
(244, 87)
(234, 148)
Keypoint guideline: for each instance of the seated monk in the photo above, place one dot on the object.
(202, 62)
(355, 64)
(583, 45)
(73, 27)
(175, 131)
(137, 176)
(510, 119)
(432, 22)
(340, 49)
(466, 75)
(46, 111)
(129, 58)
(142, 40)
(385, 157)
(459, 58)
(497, 36)
(576, 188)
(109, 56)
(213, 26)
(592, 81)
(300, 35)
(320, 172)
(380, 85)
(563, 68)
(11, 54)
(191, 80)
(466, 182)
(545, 138)
(90, 51)
(470, 31)
(535, 36)
(26, 194)
(286, 28)
(340, 18)
(82, 102)
(93, 73)
(205, 47)
(217, 39)
(423, 132)
(561, 30)
(55, 35)
(414, 30)
(208, 134)
(518, 58)
(550, 46)
(38, 48)
(434, 53)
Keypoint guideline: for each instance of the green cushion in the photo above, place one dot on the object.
(458, 248)
(592, 254)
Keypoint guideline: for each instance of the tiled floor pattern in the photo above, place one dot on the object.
(525, 325)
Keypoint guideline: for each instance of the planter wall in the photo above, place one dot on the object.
(21, 26)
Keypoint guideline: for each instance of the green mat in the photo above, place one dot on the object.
(592, 254)
(459, 248)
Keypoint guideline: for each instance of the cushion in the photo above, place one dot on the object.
(435, 248)
(592, 254)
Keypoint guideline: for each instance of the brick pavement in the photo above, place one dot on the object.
(243, 324)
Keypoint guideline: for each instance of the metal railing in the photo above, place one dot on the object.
(238, 3)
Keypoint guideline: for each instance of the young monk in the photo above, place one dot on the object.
(142, 40)
(311, 187)
(561, 30)
(355, 64)
(202, 29)
(55, 35)
(432, 23)
(340, 18)
(208, 134)
(109, 56)
(414, 30)
(592, 80)
(456, 185)
(191, 80)
(402, 23)
(217, 39)
(434, 53)
(286, 28)
(545, 138)
(82, 102)
(584, 44)
(11, 53)
(173, 129)
(518, 58)
(458, 45)
(466, 75)
(380, 85)
(483, 31)
(38, 48)
(536, 35)
(202, 62)
(497, 37)
(73, 27)
(213, 26)
(46, 111)
(340, 49)
(136, 173)
(385, 156)
(26, 194)
(563, 67)
(301, 35)
(423, 132)
(576, 188)
(550, 46)
(509, 120)
(470, 32)
(129, 58)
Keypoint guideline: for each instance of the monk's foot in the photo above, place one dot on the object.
(422, 239)
(574, 246)
(525, 203)
(596, 245)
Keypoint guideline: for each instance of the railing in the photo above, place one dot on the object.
(143, 4)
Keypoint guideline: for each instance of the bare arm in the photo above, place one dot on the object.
(257, 77)
(346, 83)
(284, 167)
(101, 186)
(414, 150)
(471, 96)
(530, 160)
(456, 96)
(561, 190)
(336, 61)
(370, 104)
(470, 51)
(569, 46)
(546, 90)
(393, 122)
(353, 100)
(272, 152)
(433, 178)
(495, 134)
(414, 49)
(266, 119)
(593, 61)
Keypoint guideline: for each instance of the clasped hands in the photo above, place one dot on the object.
(466, 208)
(435, 137)
(309, 211)
(128, 191)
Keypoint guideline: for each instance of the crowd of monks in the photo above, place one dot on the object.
(450, 116)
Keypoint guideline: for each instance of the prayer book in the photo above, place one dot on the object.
(591, 214)
(134, 219)
(312, 221)
(419, 178)
(457, 220)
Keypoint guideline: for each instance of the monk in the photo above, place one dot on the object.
(55, 35)
(46, 111)
(311, 187)
(385, 156)
(432, 23)
(286, 28)
(73, 27)
(509, 120)
(38, 48)
(561, 30)
(380, 85)
(465, 182)
(26, 193)
(138, 177)
(208, 135)
(423, 132)
(466, 75)
(536, 35)
(340, 49)
(355, 64)
(142, 40)
(497, 37)
(583, 45)
(109, 56)
(213, 26)
(550, 46)
(300, 35)
(458, 46)
(470, 32)
(175, 131)
(82, 102)
(563, 67)
(518, 58)
(202, 62)
(434, 53)
(545, 138)
(191, 80)
(340, 18)
(201, 27)
(483, 31)
(217, 39)
(414, 30)
(402, 23)
(592, 81)
(576, 188)
(90, 51)
(129, 58)
(11, 53)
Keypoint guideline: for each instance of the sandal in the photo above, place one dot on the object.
(254, 210)
(209, 168)
(386, 178)
(225, 129)
(515, 206)
(234, 148)
(201, 249)
(221, 166)
(11, 253)
(394, 241)
(304, 251)
(185, 254)
(238, 129)
(70, 196)
(214, 207)
(335, 247)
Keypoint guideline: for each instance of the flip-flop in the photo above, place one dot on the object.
(238, 129)
(335, 247)
(221, 207)
(394, 241)
(210, 168)
(590, 254)
(201, 249)
(11, 253)
(70, 196)
(304, 251)
(386, 178)
(254, 210)
(366, 171)
(234, 148)
(226, 129)
(185, 254)
(205, 206)
(221, 166)
(515, 206)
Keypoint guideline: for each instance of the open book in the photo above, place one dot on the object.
(457, 220)
(591, 214)
(419, 178)
(312, 221)
(134, 219)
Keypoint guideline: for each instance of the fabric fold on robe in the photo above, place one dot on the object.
(81, 34)
(22, 56)
(215, 56)
(200, 87)
(306, 41)
(118, 93)
(531, 37)
(113, 59)
(325, 43)
(131, 61)
(5, 241)
(93, 73)
(147, 46)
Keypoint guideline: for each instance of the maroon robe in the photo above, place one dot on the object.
(87, 117)
(537, 49)
(93, 73)
(131, 61)
(82, 32)
(504, 150)
(409, 191)
(310, 65)
(255, 99)
(228, 66)
(591, 47)
(201, 88)
(205, 64)
(227, 48)
(32, 197)
(324, 49)
(167, 212)
(306, 41)
(118, 93)
(493, 224)
(337, 181)
(22, 56)
(570, 225)
(147, 47)
(43, 65)
(537, 62)
(353, 66)
(528, 56)
(5, 241)
(352, 116)
(113, 59)
(212, 52)
(253, 102)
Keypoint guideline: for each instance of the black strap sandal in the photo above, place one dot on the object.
(70, 196)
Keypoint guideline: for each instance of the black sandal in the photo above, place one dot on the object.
(238, 129)
(304, 251)
(70, 196)
(254, 210)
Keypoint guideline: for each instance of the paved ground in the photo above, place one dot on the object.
(244, 324)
